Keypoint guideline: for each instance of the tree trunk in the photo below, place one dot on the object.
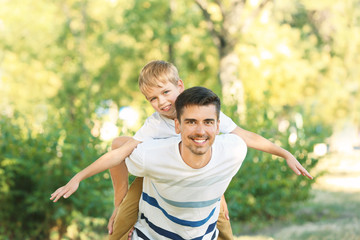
(226, 35)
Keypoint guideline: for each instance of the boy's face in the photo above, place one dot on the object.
(162, 98)
(198, 127)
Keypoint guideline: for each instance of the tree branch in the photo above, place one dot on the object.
(210, 24)
(255, 14)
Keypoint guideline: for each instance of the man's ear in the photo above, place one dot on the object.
(177, 126)
(218, 126)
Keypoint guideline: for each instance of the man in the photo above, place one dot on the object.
(184, 178)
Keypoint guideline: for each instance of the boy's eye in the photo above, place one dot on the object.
(152, 99)
(166, 92)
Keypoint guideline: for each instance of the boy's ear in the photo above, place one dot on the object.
(180, 85)
(177, 126)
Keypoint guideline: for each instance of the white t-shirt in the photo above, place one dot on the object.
(180, 202)
(156, 126)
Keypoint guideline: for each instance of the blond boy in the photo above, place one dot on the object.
(160, 83)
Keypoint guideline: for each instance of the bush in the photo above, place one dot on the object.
(265, 187)
(33, 165)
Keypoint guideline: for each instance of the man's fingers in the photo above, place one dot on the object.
(130, 233)
(111, 221)
(110, 228)
(110, 224)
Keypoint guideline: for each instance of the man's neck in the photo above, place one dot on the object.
(193, 160)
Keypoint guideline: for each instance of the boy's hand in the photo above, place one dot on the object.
(66, 190)
(112, 220)
(297, 167)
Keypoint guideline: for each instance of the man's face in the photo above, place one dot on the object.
(162, 98)
(198, 127)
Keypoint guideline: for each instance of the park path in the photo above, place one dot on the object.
(335, 208)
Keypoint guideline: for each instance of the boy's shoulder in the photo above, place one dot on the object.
(159, 145)
(156, 118)
(156, 126)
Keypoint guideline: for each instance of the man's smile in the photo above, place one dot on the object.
(199, 140)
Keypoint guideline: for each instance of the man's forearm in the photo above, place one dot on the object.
(119, 173)
(119, 177)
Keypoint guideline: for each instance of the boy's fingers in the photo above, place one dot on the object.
(54, 194)
(304, 172)
(58, 194)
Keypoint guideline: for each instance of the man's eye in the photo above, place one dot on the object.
(209, 122)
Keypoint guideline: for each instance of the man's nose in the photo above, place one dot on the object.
(199, 129)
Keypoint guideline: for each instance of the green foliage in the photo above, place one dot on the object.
(265, 187)
(32, 166)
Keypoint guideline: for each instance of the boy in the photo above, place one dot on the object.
(160, 83)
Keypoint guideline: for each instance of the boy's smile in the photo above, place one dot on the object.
(162, 98)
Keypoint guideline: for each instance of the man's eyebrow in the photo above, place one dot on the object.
(190, 119)
(193, 119)
(209, 119)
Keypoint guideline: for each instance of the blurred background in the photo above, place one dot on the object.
(287, 70)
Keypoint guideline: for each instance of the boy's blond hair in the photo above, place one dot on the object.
(156, 73)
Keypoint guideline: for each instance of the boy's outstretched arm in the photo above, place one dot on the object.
(258, 142)
(106, 161)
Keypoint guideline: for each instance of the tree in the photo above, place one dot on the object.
(227, 21)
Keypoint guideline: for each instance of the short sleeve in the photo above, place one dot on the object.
(148, 130)
(226, 124)
(136, 161)
(145, 132)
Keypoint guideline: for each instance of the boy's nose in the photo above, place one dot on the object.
(161, 100)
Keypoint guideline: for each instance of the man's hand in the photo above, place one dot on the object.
(110, 225)
(224, 205)
(130, 233)
(66, 190)
(297, 167)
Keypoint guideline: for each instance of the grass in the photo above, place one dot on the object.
(333, 213)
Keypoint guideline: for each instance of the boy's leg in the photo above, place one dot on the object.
(128, 211)
(225, 232)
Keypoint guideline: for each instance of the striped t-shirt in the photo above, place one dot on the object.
(180, 202)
